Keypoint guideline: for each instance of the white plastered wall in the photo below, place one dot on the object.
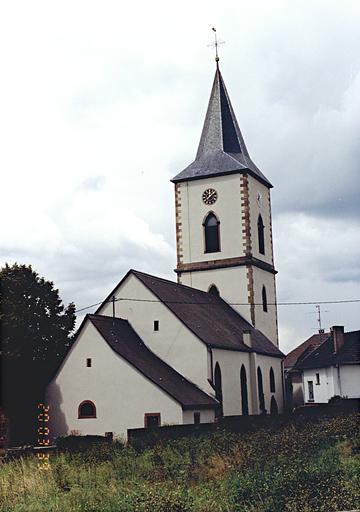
(341, 381)
(121, 393)
(265, 363)
(323, 391)
(228, 210)
(174, 343)
(206, 416)
(264, 210)
(231, 283)
(350, 380)
(265, 321)
(230, 363)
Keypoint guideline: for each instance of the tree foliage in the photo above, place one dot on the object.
(35, 336)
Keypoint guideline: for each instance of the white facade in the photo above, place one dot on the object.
(173, 342)
(122, 395)
(230, 363)
(321, 384)
(233, 282)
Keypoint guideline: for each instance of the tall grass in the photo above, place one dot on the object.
(298, 468)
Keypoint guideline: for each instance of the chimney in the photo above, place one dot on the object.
(337, 332)
(247, 338)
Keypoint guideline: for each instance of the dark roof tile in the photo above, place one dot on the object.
(122, 338)
(222, 149)
(304, 349)
(209, 317)
(324, 354)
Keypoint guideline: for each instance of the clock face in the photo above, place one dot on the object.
(209, 196)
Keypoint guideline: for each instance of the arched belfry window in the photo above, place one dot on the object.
(212, 233)
(87, 409)
(244, 392)
(261, 235)
(272, 381)
(218, 389)
(214, 290)
(264, 299)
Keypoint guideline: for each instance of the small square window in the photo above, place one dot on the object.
(156, 325)
(152, 419)
(196, 418)
(88, 362)
(318, 378)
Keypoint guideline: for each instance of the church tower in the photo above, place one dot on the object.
(223, 219)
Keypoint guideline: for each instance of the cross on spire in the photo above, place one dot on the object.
(215, 45)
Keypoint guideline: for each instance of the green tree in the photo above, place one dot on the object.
(35, 336)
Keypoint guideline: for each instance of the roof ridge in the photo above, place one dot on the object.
(197, 290)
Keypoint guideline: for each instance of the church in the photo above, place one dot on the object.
(159, 352)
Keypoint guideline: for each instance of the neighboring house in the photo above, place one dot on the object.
(293, 375)
(160, 352)
(332, 368)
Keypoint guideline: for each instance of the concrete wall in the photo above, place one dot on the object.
(174, 343)
(122, 394)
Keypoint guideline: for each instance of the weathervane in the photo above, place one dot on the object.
(215, 45)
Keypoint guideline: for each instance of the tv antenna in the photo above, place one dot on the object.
(318, 307)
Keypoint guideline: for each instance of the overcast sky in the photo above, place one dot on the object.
(102, 103)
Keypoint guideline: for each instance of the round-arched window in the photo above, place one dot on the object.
(87, 409)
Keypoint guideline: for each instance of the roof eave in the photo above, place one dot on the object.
(223, 173)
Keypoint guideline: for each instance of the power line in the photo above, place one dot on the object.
(317, 302)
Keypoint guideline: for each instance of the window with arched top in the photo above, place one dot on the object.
(87, 409)
(261, 240)
(214, 291)
(218, 389)
(244, 392)
(273, 407)
(212, 233)
(261, 391)
(272, 381)
(264, 299)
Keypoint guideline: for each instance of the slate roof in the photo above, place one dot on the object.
(209, 317)
(303, 350)
(122, 338)
(222, 149)
(324, 355)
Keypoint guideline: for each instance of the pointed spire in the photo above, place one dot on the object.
(221, 130)
(222, 149)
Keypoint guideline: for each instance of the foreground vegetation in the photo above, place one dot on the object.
(311, 467)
